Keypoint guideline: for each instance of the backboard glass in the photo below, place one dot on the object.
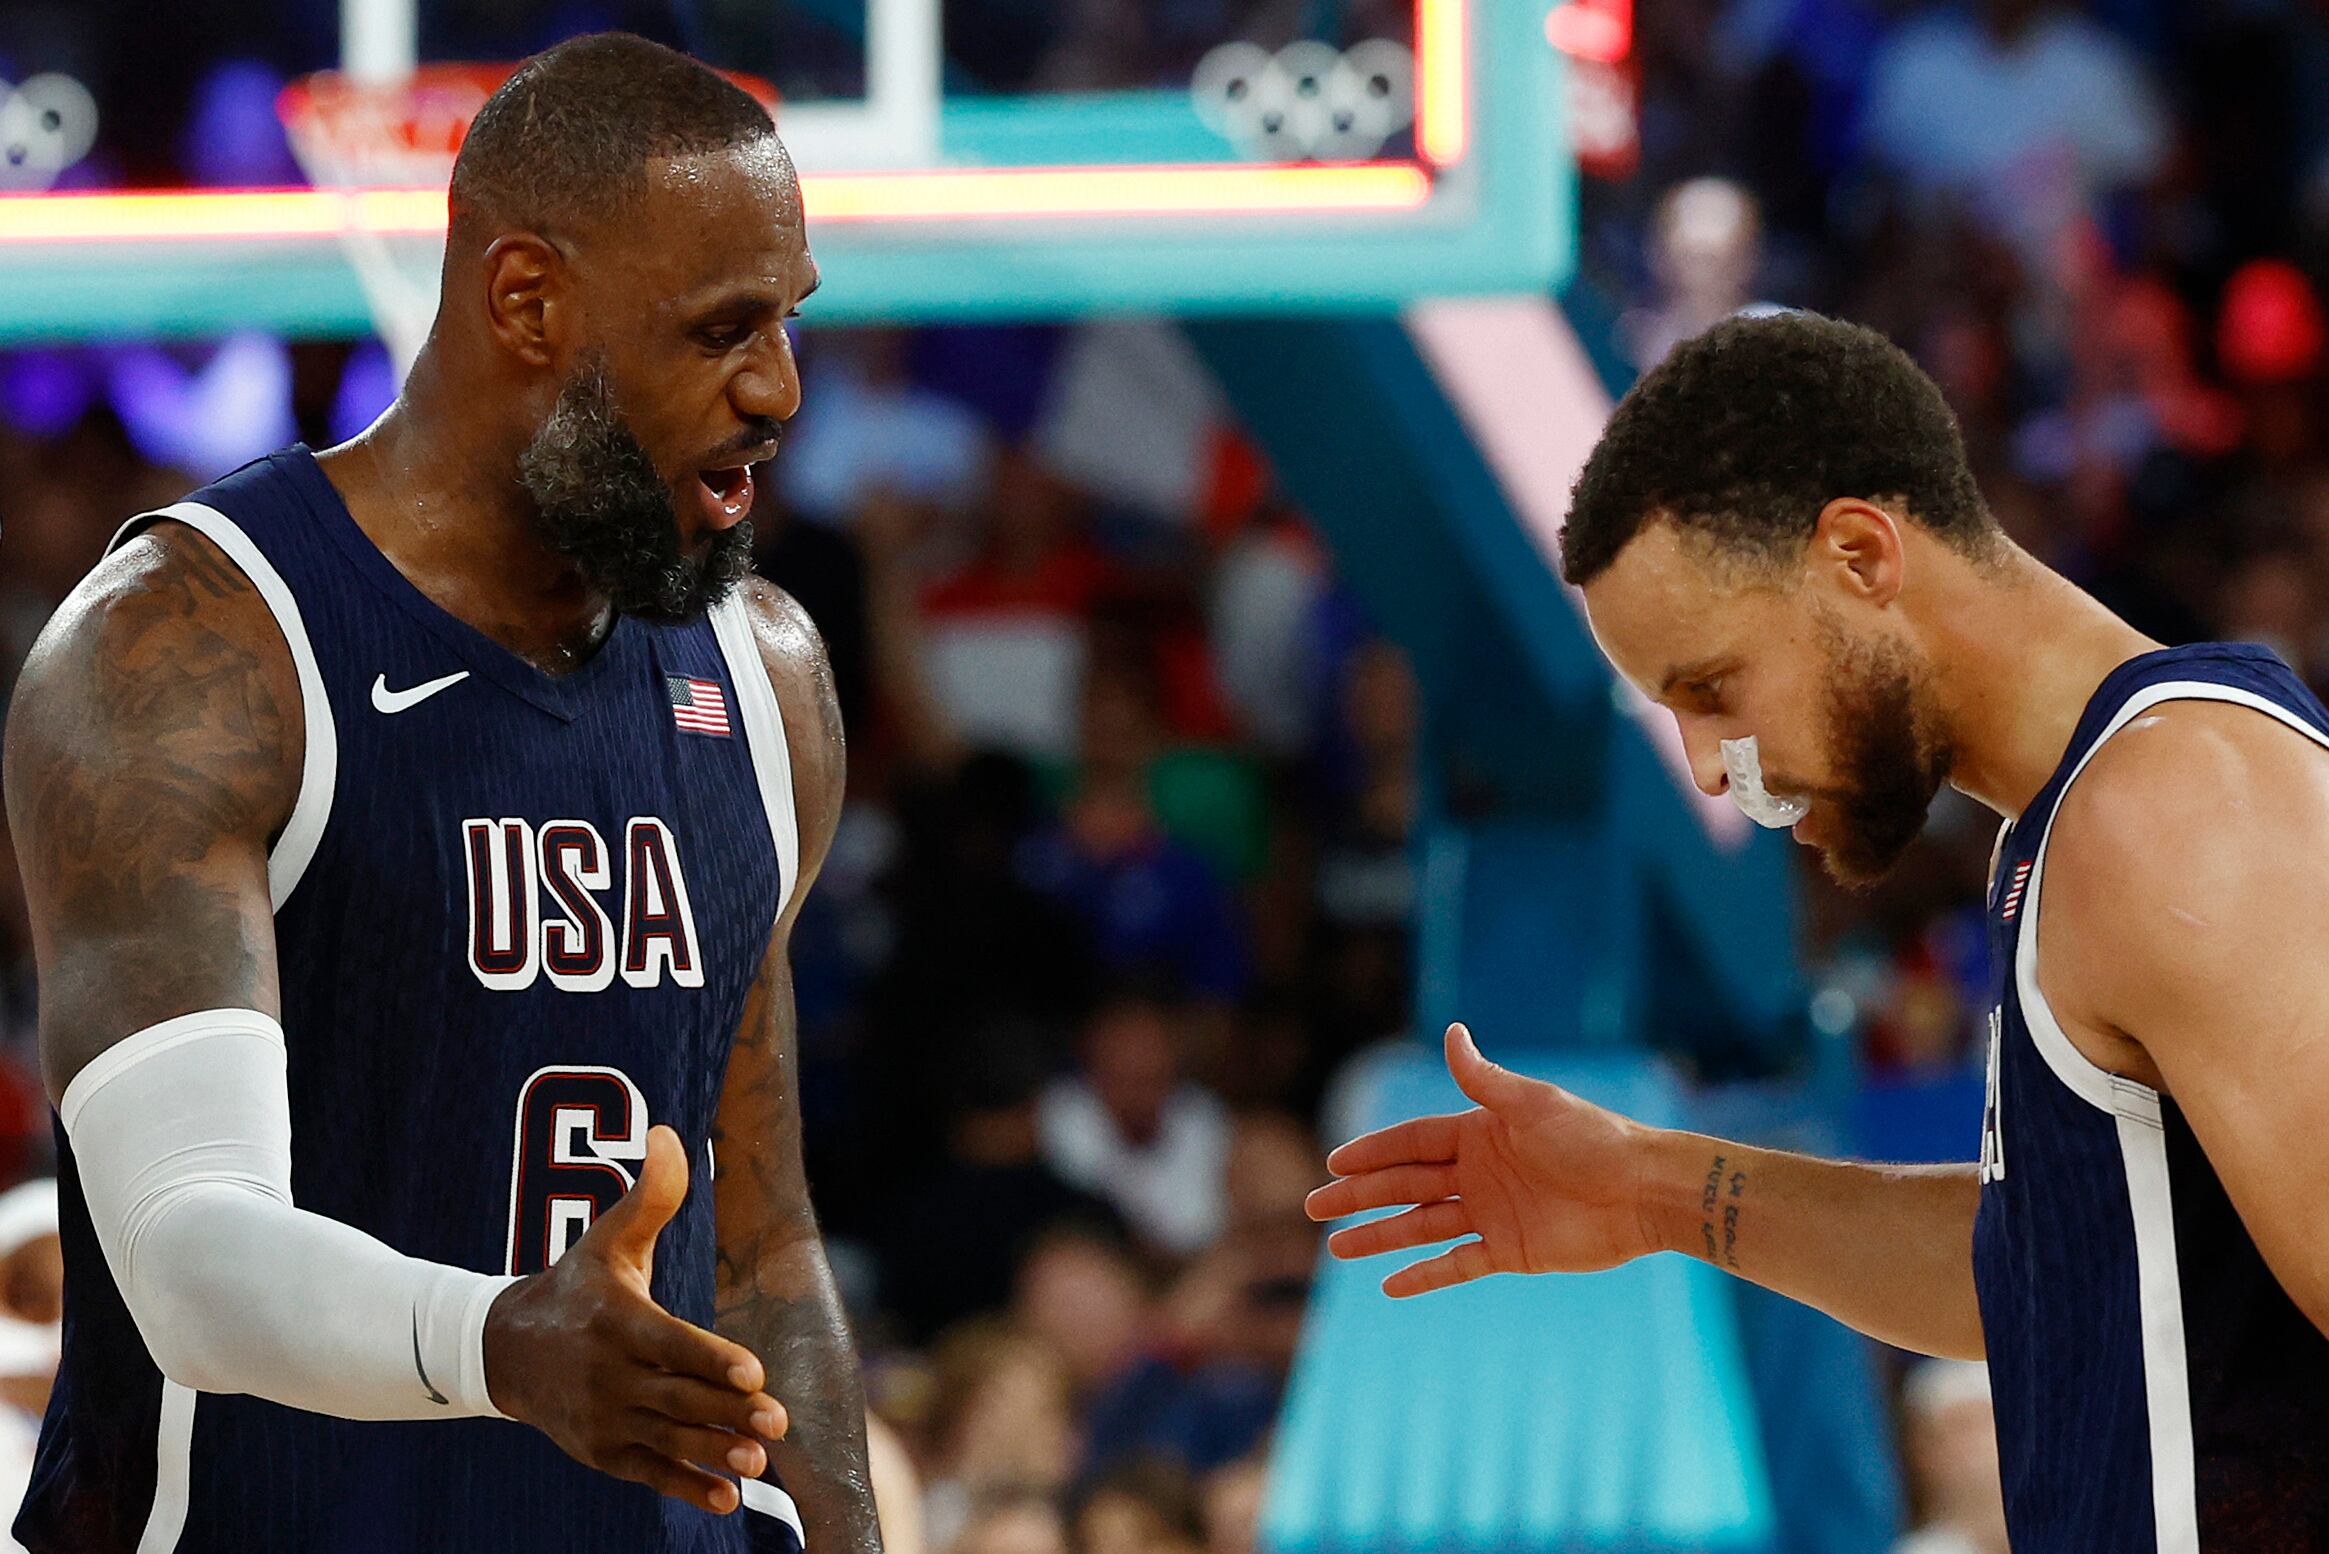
(1403, 149)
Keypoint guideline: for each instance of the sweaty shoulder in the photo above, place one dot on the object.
(2192, 834)
(802, 673)
(153, 750)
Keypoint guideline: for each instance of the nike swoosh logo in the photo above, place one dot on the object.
(386, 700)
(427, 1385)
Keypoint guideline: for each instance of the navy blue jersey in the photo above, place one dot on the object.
(2156, 1389)
(517, 917)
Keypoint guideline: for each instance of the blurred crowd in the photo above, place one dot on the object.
(2104, 230)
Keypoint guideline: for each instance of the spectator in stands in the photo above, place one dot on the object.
(1154, 904)
(1365, 878)
(2273, 596)
(2022, 111)
(1005, 634)
(1127, 1126)
(1143, 1506)
(1149, 905)
(1207, 1395)
(1951, 1447)
(1706, 250)
(1362, 895)
(1002, 1423)
(968, 942)
(32, 1285)
(1194, 792)
(1243, 1302)
(953, 1247)
(897, 1489)
(1262, 616)
(2269, 342)
(1231, 1496)
(1083, 1293)
(867, 428)
(1013, 1519)
(824, 568)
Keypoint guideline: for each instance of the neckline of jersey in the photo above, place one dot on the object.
(561, 696)
(2100, 707)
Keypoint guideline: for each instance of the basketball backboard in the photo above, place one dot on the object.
(1405, 150)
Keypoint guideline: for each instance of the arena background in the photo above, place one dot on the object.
(1191, 405)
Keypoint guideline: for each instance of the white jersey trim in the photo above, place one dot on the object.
(763, 737)
(768, 1500)
(2098, 1086)
(320, 770)
(2166, 1374)
(173, 1470)
(2143, 1153)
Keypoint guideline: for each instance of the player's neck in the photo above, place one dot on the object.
(2019, 650)
(431, 487)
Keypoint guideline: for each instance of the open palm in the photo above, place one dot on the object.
(1540, 1181)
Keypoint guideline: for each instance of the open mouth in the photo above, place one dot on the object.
(727, 494)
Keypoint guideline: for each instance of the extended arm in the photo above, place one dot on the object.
(1886, 1249)
(153, 750)
(776, 1294)
(1540, 1181)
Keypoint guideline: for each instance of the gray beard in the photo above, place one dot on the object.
(599, 502)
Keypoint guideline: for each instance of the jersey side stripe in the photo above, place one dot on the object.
(173, 1470)
(2102, 1089)
(2166, 1375)
(770, 1500)
(319, 772)
(763, 736)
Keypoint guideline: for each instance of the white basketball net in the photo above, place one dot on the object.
(352, 136)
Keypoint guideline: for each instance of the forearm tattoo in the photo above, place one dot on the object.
(776, 1294)
(1720, 1204)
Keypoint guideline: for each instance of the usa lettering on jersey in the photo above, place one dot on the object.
(540, 906)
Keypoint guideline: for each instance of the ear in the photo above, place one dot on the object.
(528, 299)
(1857, 547)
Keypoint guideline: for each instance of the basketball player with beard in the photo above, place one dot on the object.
(413, 832)
(1779, 540)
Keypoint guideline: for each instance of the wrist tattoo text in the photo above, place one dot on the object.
(1720, 1201)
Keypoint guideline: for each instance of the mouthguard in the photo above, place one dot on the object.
(1745, 765)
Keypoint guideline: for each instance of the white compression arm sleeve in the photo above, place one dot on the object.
(183, 1137)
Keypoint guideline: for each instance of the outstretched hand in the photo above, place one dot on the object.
(584, 1354)
(1531, 1180)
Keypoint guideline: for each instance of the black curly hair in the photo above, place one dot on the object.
(1744, 432)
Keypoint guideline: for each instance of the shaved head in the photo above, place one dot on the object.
(564, 145)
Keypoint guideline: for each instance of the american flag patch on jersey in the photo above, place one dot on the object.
(2013, 900)
(699, 706)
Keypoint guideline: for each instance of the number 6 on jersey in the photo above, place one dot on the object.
(576, 1128)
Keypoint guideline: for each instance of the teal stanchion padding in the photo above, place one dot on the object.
(1604, 1412)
